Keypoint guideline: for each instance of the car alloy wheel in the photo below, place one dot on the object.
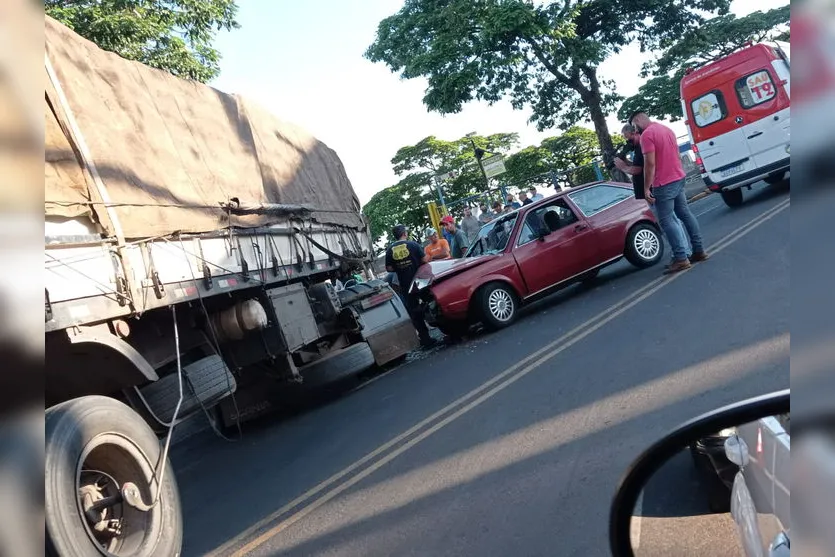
(647, 244)
(501, 304)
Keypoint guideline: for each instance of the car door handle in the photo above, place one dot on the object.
(579, 227)
(753, 135)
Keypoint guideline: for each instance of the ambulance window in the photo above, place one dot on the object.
(755, 88)
(708, 109)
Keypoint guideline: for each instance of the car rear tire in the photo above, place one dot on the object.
(732, 198)
(499, 305)
(644, 246)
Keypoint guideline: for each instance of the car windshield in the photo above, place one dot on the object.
(493, 236)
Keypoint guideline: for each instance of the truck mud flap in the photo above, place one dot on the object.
(393, 342)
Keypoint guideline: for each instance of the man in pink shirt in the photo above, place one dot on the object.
(664, 188)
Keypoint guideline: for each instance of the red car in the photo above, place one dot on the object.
(535, 250)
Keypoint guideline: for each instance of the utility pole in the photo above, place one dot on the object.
(479, 154)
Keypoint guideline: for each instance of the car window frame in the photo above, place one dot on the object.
(570, 206)
(742, 80)
(723, 107)
(571, 197)
(511, 235)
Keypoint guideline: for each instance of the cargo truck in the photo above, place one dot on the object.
(199, 261)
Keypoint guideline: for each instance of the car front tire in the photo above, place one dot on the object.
(499, 305)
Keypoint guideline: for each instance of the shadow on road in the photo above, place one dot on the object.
(675, 490)
(572, 428)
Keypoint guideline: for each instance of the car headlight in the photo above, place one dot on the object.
(420, 283)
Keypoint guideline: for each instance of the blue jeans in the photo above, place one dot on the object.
(675, 218)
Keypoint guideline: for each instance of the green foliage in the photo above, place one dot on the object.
(417, 165)
(659, 97)
(172, 35)
(566, 158)
(542, 55)
(530, 162)
(716, 38)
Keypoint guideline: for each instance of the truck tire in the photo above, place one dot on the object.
(337, 366)
(732, 198)
(775, 178)
(499, 305)
(94, 444)
(644, 246)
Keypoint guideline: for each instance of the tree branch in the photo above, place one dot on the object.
(550, 66)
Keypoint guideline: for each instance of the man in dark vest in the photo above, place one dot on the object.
(404, 257)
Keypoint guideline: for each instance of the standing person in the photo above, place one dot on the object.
(403, 257)
(459, 245)
(523, 197)
(635, 169)
(470, 225)
(533, 194)
(512, 202)
(497, 208)
(486, 215)
(437, 248)
(664, 180)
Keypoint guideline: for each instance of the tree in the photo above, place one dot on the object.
(718, 37)
(543, 55)
(529, 163)
(172, 35)
(417, 166)
(402, 203)
(576, 149)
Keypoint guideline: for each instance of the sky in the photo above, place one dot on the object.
(303, 61)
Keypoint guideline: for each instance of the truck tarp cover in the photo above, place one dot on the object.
(170, 151)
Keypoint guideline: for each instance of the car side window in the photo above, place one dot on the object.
(598, 198)
(549, 217)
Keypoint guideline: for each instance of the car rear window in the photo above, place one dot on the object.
(755, 88)
(597, 198)
(709, 108)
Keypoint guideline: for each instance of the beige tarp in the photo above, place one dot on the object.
(170, 151)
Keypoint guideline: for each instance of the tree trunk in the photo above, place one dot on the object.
(592, 99)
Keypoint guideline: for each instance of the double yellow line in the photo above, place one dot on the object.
(321, 494)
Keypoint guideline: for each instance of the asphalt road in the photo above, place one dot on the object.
(513, 442)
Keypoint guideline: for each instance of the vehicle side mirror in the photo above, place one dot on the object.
(703, 464)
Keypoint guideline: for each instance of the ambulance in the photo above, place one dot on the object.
(736, 110)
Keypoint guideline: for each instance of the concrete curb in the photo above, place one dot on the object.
(698, 196)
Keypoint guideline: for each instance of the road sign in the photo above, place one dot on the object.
(493, 166)
(447, 176)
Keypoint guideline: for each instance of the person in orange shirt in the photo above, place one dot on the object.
(437, 248)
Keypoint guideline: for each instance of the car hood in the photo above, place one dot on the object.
(436, 270)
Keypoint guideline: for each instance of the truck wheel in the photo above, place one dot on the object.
(644, 247)
(775, 178)
(499, 305)
(732, 198)
(94, 445)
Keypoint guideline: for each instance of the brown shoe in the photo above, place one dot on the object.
(677, 266)
(700, 256)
